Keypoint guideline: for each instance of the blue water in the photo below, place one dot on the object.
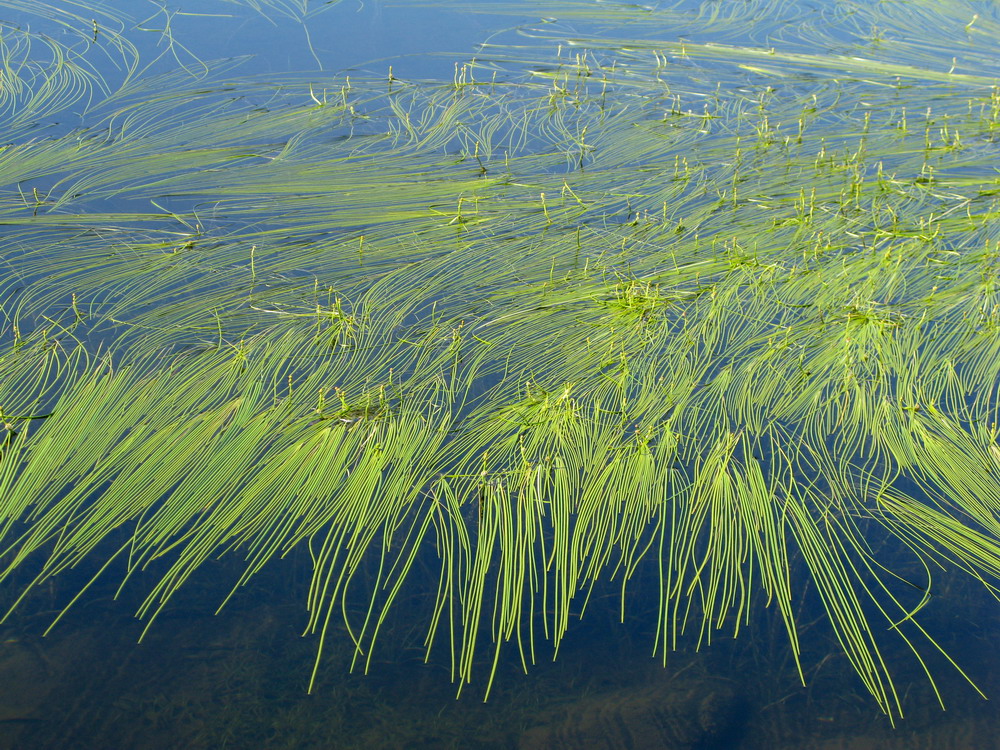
(238, 679)
(420, 42)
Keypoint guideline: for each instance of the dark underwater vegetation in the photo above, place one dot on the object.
(634, 384)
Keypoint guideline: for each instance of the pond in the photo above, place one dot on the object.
(501, 374)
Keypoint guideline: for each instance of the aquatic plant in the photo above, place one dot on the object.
(722, 315)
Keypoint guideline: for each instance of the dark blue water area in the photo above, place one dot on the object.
(238, 679)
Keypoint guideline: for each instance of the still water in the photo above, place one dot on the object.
(239, 678)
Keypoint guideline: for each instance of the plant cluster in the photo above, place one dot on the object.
(718, 308)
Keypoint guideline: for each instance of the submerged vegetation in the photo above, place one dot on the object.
(718, 311)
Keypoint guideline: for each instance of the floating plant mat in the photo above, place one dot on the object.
(718, 315)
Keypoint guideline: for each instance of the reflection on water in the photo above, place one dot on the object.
(424, 40)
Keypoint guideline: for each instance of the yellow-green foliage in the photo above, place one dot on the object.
(722, 310)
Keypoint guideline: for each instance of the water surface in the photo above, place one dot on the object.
(545, 177)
